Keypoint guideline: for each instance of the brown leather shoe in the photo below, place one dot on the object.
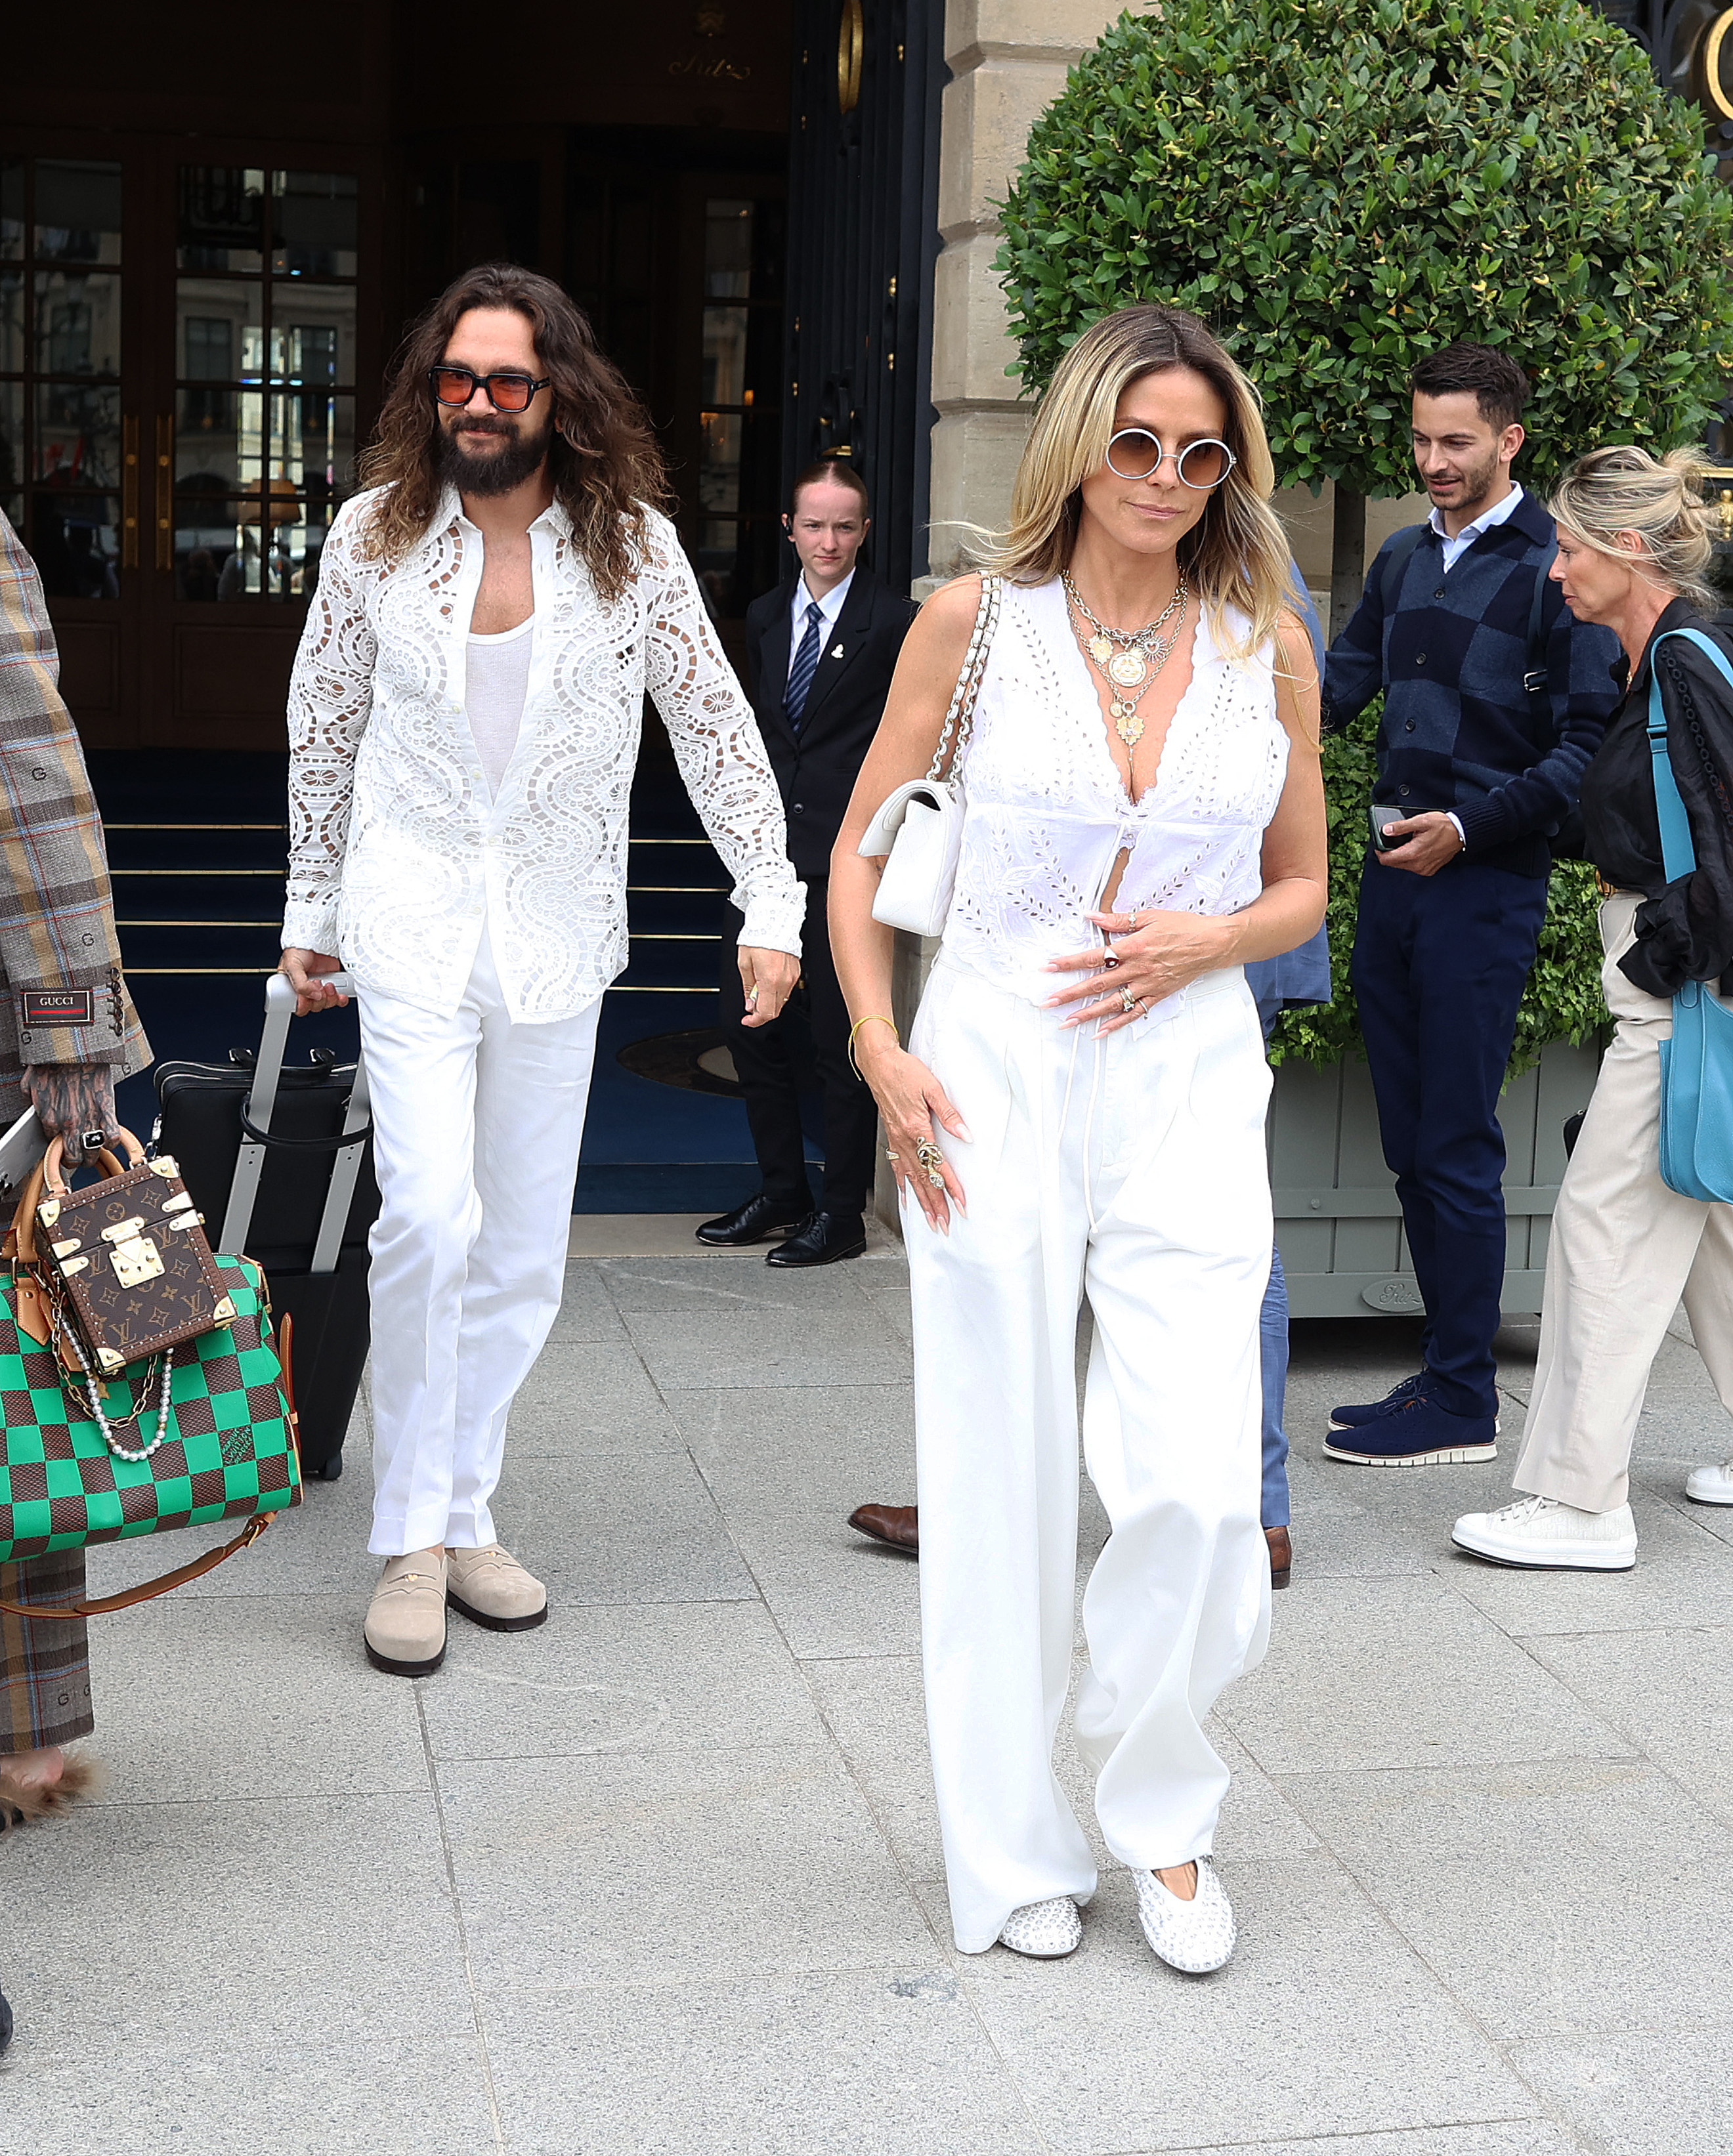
(1281, 1555)
(899, 1526)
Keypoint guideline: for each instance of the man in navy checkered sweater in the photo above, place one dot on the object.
(1492, 711)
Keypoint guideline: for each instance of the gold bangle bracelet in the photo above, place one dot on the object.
(871, 1018)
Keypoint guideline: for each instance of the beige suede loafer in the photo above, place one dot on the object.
(405, 1629)
(490, 1587)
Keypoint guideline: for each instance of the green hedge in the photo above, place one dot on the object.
(1563, 999)
(1340, 187)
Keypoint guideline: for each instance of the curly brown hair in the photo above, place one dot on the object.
(607, 466)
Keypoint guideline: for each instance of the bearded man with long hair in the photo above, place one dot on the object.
(464, 722)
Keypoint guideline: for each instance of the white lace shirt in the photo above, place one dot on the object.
(396, 853)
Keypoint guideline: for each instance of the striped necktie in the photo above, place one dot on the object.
(805, 666)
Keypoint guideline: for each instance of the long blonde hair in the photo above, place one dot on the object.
(1626, 489)
(1237, 555)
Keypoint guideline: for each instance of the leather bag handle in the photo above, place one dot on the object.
(104, 1605)
(47, 1171)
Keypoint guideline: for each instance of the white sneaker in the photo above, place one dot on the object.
(1195, 1936)
(1711, 1486)
(1550, 1536)
(1046, 1930)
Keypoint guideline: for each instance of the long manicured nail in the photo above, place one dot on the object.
(963, 1133)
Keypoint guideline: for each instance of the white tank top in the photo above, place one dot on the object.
(497, 679)
(1046, 814)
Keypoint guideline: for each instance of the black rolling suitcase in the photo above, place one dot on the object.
(280, 1161)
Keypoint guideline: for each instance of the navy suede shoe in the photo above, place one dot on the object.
(1351, 1418)
(1416, 1432)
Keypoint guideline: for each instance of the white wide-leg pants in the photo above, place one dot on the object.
(1131, 1169)
(1622, 1250)
(476, 1127)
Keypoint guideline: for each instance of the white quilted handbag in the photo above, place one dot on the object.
(918, 830)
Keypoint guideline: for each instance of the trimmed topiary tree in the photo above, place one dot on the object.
(1339, 186)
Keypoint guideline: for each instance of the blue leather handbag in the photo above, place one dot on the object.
(1697, 1064)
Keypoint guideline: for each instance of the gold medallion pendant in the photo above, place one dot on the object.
(1127, 667)
(1101, 650)
(1128, 726)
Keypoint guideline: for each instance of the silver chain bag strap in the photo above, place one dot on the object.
(919, 831)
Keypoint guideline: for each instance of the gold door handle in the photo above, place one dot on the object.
(129, 492)
(165, 491)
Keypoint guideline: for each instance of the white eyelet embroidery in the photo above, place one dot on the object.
(396, 854)
(1045, 813)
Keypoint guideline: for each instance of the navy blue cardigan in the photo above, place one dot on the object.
(1459, 730)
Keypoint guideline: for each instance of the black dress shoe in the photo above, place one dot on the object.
(5, 2024)
(752, 1222)
(826, 1238)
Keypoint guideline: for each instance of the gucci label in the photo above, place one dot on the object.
(39, 1007)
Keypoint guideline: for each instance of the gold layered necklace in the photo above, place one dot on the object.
(1129, 659)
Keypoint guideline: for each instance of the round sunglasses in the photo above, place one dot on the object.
(1135, 452)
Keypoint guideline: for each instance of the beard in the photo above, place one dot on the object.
(520, 456)
(1478, 481)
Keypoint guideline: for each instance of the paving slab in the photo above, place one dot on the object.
(618, 1527)
(317, 2095)
(618, 1678)
(272, 1694)
(1504, 1879)
(816, 1338)
(265, 1923)
(1402, 1673)
(894, 2063)
(1525, 2136)
(687, 1865)
(801, 1448)
(1670, 1693)
(1649, 2093)
(589, 1396)
(1113, 2051)
(831, 1591)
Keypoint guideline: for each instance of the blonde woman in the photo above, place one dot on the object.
(1634, 546)
(1079, 1112)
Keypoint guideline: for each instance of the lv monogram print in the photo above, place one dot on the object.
(230, 1450)
(129, 1264)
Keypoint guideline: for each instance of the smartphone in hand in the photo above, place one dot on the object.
(1382, 814)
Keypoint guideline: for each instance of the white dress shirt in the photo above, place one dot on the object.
(1501, 513)
(396, 854)
(830, 606)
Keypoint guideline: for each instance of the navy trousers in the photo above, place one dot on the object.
(1439, 967)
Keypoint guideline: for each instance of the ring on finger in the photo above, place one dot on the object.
(1128, 1002)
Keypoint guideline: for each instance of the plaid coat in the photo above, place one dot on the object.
(62, 1000)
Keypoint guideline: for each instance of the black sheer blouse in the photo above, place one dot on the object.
(1684, 930)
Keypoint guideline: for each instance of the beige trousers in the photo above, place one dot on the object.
(1624, 1248)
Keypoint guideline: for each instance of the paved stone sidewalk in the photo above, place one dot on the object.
(662, 1879)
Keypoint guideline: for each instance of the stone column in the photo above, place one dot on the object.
(1008, 59)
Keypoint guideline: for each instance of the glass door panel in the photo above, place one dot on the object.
(60, 431)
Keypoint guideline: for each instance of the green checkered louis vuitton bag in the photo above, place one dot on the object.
(204, 1432)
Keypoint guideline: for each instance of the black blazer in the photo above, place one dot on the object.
(817, 771)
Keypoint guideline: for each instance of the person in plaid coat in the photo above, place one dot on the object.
(67, 1030)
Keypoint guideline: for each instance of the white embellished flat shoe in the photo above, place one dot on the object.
(1046, 1930)
(1195, 1936)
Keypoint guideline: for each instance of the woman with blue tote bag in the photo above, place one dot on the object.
(1642, 1217)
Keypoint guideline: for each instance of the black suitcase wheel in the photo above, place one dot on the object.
(329, 1470)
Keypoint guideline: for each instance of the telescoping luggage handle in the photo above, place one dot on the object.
(256, 1139)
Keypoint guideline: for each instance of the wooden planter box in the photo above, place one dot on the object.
(1338, 1224)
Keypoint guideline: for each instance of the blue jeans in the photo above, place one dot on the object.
(1272, 1329)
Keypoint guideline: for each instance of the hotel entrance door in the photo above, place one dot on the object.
(180, 348)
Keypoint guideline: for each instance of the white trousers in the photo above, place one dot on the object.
(1133, 1169)
(476, 1127)
(1623, 1250)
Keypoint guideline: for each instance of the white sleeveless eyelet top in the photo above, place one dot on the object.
(1045, 813)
